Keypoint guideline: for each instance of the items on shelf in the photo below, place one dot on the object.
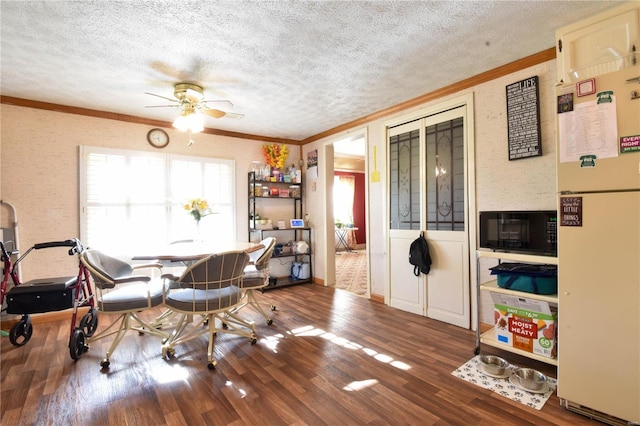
(525, 322)
(267, 173)
(293, 236)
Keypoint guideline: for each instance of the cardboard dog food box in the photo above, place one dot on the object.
(526, 324)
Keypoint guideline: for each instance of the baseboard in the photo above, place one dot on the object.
(379, 298)
(46, 317)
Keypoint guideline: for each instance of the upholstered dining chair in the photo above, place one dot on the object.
(205, 292)
(120, 292)
(256, 277)
(166, 318)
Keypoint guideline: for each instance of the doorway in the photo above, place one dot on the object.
(429, 191)
(346, 212)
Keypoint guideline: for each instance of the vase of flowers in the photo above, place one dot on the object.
(198, 208)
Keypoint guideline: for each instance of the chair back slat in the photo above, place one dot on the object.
(215, 271)
(210, 284)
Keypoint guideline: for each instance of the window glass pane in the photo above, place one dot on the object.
(106, 228)
(105, 178)
(404, 177)
(133, 201)
(186, 180)
(145, 180)
(219, 184)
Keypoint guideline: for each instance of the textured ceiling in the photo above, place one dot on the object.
(293, 68)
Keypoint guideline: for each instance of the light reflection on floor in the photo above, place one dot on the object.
(172, 373)
(310, 330)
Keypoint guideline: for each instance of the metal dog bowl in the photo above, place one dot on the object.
(493, 364)
(530, 378)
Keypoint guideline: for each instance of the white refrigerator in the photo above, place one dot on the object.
(598, 153)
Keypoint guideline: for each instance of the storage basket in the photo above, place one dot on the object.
(41, 295)
(526, 277)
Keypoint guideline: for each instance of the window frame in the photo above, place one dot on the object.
(175, 223)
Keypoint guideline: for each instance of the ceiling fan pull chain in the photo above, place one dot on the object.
(190, 139)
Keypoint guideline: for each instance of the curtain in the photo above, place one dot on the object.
(343, 194)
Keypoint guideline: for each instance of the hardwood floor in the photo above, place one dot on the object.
(330, 357)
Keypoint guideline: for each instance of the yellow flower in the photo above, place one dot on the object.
(198, 208)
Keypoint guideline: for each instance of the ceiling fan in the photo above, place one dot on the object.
(189, 98)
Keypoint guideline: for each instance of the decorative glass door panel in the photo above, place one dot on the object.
(406, 186)
(445, 176)
(404, 165)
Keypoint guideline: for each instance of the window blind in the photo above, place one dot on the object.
(131, 201)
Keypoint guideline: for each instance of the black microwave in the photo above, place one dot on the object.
(532, 232)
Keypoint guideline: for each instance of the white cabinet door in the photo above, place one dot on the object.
(599, 45)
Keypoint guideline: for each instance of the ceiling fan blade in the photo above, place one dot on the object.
(160, 96)
(162, 106)
(216, 113)
(234, 115)
(219, 101)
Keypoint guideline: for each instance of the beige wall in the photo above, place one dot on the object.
(39, 174)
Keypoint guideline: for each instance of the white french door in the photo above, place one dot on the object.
(406, 189)
(429, 192)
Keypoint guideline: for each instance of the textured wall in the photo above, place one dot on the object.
(40, 174)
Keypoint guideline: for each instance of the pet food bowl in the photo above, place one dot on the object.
(530, 378)
(493, 364)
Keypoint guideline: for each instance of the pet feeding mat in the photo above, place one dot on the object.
(470, 372)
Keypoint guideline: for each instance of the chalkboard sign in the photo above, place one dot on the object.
(523, 119)
(570, 211)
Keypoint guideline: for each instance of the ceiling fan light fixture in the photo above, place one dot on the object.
(190, 120)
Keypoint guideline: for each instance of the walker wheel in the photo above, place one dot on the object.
(273, 307)
(211, 365)
(254, 340)
(76, 344)
(89, 322)
(21, 332)
(104, 364)
(269, 321)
